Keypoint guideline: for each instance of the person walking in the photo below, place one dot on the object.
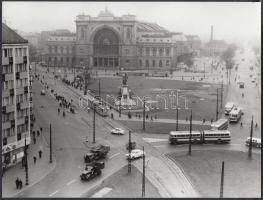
(17, 182)
(241, 124)
(64, 114)
(40, 154)
(256, 125)
(35, 159)
(34, 134)
(38, 133)
(20, 184)
(58, 111)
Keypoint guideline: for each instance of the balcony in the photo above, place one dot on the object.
(9, 77)
(20, 121)
(3, 77)
(23, 75)
(6, 125)
(5, 60)
(10, 108)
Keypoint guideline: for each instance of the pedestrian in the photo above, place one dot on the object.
(34, 139)
(242, 95)
(20, 184)
(64, 114)
(58, 111)
(241, 124)
(35, 159)
(186, 119)
(34, 134)
(41, 129)
(151, 118)
(17, 182)
(147, 116)
(38, 133)
(40, 154)
(156, 116)
(256, 125)
(139, 116)
(212, 121)
(203, 121)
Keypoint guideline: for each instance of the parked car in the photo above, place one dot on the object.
(117, 131)
(43, 92)
(256, 142)
(135, 154)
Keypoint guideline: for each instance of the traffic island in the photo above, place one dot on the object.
(122, 184)
(242, 176)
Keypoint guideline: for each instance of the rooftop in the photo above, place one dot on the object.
(149, 27)
(9, 36)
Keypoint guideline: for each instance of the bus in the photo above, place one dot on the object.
(206, 136)
(221, 124)
(235, 114)
(228, 107)
(101, 110)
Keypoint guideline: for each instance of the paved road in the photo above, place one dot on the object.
(68, 137)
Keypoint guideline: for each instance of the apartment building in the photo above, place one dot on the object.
(16, 96)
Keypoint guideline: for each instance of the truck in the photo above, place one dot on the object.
(96, 153)
(92, 171)
(228, 107)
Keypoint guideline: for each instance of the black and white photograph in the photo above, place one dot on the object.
(131, 99)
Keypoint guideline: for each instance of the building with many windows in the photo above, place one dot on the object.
(16, 96)
(113, 42)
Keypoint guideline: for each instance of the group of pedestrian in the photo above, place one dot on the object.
(147, 116)
(19, 183)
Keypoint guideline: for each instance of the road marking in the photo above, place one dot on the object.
(70, 182)
(53, 193)
(114, 155)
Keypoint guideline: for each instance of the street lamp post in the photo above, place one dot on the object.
(221, 99)
(222, 181)
(25, 160)
(250, 140)
(94, 125)
(176, 118)
(143, 174)
(50, 141)
(190, 136)
(143, 114)
(129, 160)
(216, 104)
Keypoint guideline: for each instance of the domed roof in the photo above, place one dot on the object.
(105, 13)
(149, 27)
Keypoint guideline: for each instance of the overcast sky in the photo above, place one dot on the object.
(231, 20)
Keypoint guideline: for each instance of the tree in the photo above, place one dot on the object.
(228, 56)
(186, 59)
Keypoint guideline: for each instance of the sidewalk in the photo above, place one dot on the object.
(36, 172)
(173, 121)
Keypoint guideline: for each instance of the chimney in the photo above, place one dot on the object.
(211, 38)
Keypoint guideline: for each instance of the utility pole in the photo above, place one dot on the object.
(190, 136)
(222, 181)
(85, 81)
(177, 118)
(216, 104)
(204, 70)
(26, 163)
(94, 114)
(143, 175)
(50, 141)
(143, 124)
(222, 91)
(120, 109)
(250, 141)
(129, 160)
(99, 87)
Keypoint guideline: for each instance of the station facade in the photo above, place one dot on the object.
(123, 42)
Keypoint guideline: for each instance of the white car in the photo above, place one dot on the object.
(43, 92)
(135, 153)
(117, 131)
